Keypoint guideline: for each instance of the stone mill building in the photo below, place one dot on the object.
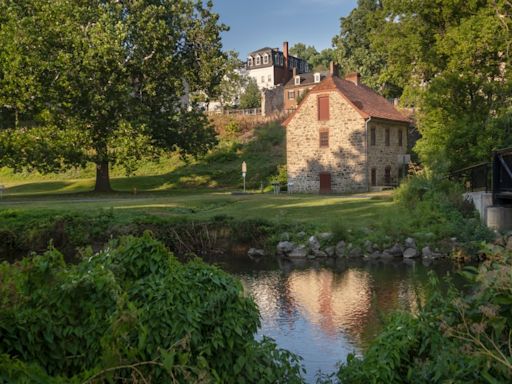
(344, 137)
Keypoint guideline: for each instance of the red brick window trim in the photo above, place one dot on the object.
(323, 108)
(324, 139)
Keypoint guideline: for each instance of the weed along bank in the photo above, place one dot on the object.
(344, 137)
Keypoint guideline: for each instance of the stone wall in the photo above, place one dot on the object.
(381, 155)
(344, 158)
(272, 100)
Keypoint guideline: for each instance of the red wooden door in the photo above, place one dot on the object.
(325, 182)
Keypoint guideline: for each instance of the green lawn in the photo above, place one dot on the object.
(321, 211)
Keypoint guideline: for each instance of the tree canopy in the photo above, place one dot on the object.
(446, 58)
(251, 98)
(104, 81)
(319, 61)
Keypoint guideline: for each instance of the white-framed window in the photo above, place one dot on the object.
(258, 60)
(317, 77)
(265, 58)
(249, 61)
(297, 80)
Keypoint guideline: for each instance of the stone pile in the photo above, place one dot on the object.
(321, 246)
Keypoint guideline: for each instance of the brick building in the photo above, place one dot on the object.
(344, 137)
(270, 67)
(298, 85)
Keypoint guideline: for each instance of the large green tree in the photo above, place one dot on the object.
(104, 81)
(318, 61)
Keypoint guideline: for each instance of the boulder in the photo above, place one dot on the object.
(325, 236)
(355, 252)
(313, 243)
(395, 250)
(340, 249)
(285, 247)
(301, 234)
(331, 251)
(299, 252)
(426, 252)
(410, 243)
(368, 246)
(255, 253)
(319, 253)
(410, 253)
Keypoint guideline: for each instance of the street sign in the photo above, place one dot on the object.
(244, 172)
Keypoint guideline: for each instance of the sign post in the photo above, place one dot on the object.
(244, 172)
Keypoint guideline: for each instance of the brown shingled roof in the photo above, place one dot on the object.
(366, 101)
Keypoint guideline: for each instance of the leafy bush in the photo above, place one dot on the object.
(454, 338)
(436, 205)
(132, 311)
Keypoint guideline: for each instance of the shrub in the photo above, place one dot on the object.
(132, 311)
(453, 338)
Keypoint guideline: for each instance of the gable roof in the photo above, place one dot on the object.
(362, 98)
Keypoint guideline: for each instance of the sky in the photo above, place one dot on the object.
(256, 24)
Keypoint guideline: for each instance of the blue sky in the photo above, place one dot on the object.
(259, 23)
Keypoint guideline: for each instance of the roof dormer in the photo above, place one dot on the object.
(297, 80)
(258, 59)
(265, 58)
(317, 77)
(249, 61)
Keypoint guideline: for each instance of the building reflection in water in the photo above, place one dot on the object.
(325, 313)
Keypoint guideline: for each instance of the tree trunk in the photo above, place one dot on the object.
(102, 178)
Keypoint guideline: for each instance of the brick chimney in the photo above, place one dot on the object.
(333, 69)
(354, 77)
(285, 54)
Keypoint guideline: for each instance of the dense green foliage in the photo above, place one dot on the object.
(318, 61)
(132, 311)
(447, 58)
(453, 338)
(251, 98)
(104, 81)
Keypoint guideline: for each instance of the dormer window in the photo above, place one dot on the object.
(258, 60)
(317, 77)
(297, 80)
(265, 59)
(249, 61)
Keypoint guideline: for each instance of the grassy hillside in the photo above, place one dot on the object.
(261, 146)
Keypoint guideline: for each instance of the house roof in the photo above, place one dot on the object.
(366, 101)
(307, 78)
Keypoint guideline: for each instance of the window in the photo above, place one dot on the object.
(249, 61)
(324, 138)
(386, 139)
(265, 59)
(317, 77)
(323, 108)
(297, 80)
(258, 60)
(269, 78)
(374, 177)
(373, 136)
(291, 95)
(262, 79)
(400, 138)
(387, 175)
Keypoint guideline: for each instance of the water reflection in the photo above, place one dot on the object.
(325, 312)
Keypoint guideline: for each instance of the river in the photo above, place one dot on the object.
(324, 311)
